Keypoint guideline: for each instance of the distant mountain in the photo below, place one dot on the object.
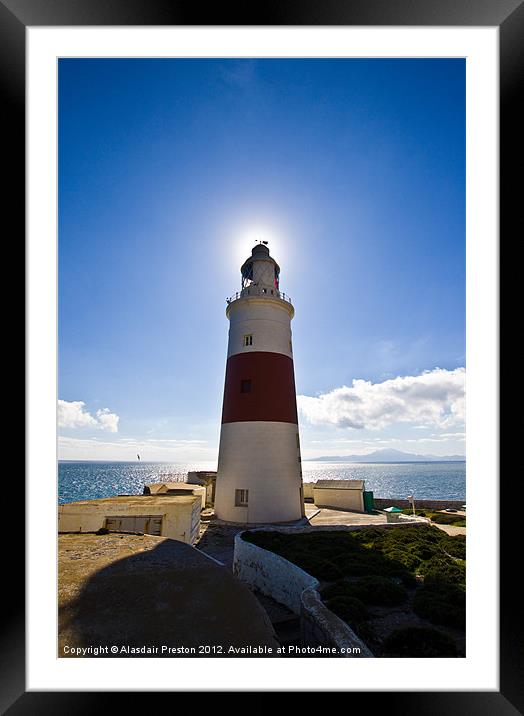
(388, 455)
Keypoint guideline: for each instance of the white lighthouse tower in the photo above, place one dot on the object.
(259, 475)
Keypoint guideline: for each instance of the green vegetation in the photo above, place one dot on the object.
(348, 608)
(368, 590)
(439, 518)
(441, 603)
(351, 610)
(419, 569)
(401, 553)
(419, 642)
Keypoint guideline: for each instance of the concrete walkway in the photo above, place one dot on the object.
(450, 529)
(326, 516)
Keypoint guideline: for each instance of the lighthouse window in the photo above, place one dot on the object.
(241, 498)
(245, 386)
(248, 340)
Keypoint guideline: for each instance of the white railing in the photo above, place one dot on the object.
(260, 292)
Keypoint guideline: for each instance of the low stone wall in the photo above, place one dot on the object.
(270, 573)
(382, 502)
(321, 627)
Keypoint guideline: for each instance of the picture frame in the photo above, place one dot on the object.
(508, 16)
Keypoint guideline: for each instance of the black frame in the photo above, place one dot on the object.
(508, 15)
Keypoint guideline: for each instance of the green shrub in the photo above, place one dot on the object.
(441, 603)
(455, 546)
(349, 609)
(322, 569)
(372, 552)
(353, 565)
(403, 557)
(378, 590)
(340, 588)
(448, 518)
(443, 569)
(419, 642)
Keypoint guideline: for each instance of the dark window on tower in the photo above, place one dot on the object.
(241, 498)
(245, 386)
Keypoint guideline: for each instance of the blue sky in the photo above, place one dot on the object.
(169, 170)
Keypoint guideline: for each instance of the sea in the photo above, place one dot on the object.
(424, 480)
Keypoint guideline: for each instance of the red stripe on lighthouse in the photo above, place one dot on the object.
(270, 381)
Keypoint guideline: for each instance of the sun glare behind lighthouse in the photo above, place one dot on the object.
(247, 238)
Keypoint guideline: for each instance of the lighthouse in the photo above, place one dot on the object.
(259, 478)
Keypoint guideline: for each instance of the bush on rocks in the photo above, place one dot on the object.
(419, 642)
(441, 603)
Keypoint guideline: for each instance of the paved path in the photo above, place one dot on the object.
(450, 529)
(327, 516)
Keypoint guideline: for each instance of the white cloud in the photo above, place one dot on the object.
(70, 448)
(107, 420)
(435, 398)
(72, 414)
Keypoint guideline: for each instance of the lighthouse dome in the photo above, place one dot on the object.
(260, 251)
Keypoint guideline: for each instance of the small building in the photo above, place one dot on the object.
(339, 494)
(174, 516)
(176, 488)
(208, 479)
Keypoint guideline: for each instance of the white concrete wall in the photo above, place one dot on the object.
(308, 489)
(193, 478)
(339, 499)
(271, 574)
(178, 519)
(80, 518)
(183, 487)
(269, 322)
(261, 457)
